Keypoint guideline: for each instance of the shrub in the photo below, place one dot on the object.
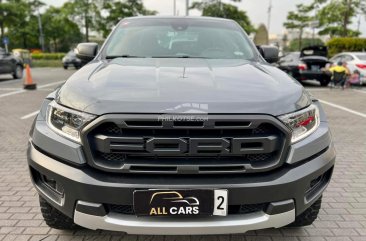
(338, 45)
(46, 63)
(48, 56)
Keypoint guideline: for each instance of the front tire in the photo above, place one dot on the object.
(54, 218)
(308, 216)
(18, 72)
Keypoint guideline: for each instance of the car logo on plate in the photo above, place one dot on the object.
(184, 205)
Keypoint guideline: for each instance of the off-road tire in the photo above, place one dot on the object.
(308, 216)
(54, 218)
(65, 66)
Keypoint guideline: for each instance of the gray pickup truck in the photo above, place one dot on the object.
(179, 125)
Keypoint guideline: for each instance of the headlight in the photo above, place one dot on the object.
(302, 123)
(67, 122)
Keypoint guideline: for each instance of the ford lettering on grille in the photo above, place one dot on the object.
(148, 144)
(191, 146)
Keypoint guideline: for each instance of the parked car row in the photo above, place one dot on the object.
(307, 64)
(311, 63)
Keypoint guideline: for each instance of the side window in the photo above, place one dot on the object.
(337, 59)
(295, 56)
(347, 58)
(285, 58)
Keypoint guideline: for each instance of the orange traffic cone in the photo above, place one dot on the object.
(28, 83)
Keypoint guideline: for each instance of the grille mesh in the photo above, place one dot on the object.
(259, 157)
(111, 129)
(113, 157)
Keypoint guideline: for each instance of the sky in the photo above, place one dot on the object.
(256, 10)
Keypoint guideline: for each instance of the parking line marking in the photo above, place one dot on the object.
(12, 93)
(316, 89)
(22, 91)
(4, 89)
(343, 108)
(29, 115)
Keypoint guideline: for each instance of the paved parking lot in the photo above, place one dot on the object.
(343, 216)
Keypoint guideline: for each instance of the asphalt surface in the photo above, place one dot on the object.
(343, 214)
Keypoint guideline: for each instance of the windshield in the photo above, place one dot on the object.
(361, 56)
(179, 38)
(71, 53)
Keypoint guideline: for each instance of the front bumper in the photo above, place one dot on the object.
(193, 226)
(290, 183)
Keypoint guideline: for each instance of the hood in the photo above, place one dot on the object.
(182, 86)
(318, 50)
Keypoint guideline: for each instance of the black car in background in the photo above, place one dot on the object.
(308, 64)
(70, 59)
(9, 64)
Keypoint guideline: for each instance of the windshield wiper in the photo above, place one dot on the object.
(123, 56)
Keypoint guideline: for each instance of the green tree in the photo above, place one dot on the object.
(335, 16)
(12, 12)
(83, 12)
(60, 32)
(114, 11)
(299, 20)
(16, 16)
(18, 19)
(24, 33)
(215, 8)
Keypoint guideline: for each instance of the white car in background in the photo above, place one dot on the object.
(354, 60)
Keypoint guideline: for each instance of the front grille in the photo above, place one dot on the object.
(217, 144)
(232, 209)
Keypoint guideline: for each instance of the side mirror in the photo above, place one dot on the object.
(269, 53)
(86, 51)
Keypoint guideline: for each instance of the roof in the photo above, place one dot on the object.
(180, 17)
